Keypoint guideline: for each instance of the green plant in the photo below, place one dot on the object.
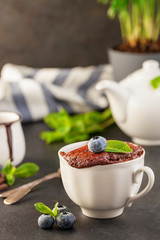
(139, 20)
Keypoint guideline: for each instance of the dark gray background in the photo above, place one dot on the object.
(55, 33)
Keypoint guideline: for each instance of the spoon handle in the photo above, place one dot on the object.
(31, 185)
(43, 179)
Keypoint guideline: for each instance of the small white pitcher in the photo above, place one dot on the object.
(12, 142)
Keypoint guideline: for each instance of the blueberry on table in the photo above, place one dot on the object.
(61, 208)
(65, 220)
(97, 144)
(45, 221)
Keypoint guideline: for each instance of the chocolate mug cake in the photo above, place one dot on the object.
(82, 157)
(103, 178)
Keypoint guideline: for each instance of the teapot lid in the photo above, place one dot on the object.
(150, 69)
(150, 65)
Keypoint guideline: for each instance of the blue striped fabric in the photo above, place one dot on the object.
(20, 102)
(82, 90)
(32, 74)
(66, 106)
(74, 91)
(50, 99)
(61, 77)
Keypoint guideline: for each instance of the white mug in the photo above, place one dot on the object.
(103, 191)
(12, 142)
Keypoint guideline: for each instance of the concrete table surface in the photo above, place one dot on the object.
(19, 221)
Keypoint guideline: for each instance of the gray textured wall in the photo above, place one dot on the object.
(60, 33)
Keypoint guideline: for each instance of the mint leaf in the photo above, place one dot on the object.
(96, 117)
(10, 179)
(155, 83)
(26, 170)
(107, 114)
(74, 137)
(44, 209)
(117, 147)
(55, 212)
(23, 171)
(57, 120)
(51, 136)
(75, 128)
(9, 171)
(78, 126)
(92, 128)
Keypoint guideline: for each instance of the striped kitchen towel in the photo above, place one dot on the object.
(36, 92)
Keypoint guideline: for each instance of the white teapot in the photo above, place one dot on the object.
(135, 104)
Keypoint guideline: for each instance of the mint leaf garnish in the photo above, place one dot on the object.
(43, 209)
(46, 210)
(117, 147)
(26, 170)
(155, 83)
(9, 171)
(10, 179)
(55, 212)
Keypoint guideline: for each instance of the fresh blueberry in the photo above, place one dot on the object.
(45, 221)
(61, 208)
(65, 220)
(97, 144)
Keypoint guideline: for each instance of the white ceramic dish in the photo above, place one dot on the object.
(104, 191)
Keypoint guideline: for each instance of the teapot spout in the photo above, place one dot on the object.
(118, 97)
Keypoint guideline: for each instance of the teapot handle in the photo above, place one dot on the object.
(151, 179)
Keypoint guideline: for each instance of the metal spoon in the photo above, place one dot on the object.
(14, 195)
